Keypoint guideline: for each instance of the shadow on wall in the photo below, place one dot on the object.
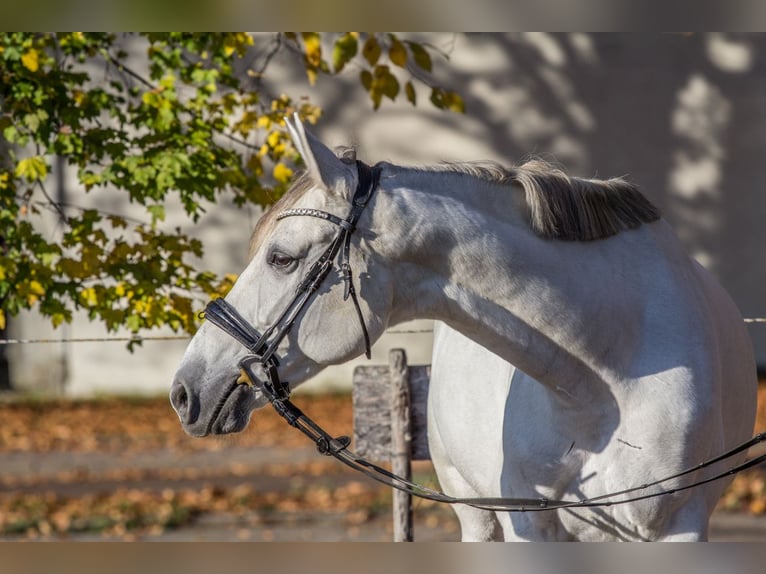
(681, 115)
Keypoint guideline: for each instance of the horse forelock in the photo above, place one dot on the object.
(564, 207)
(266, 223)
(302, 184)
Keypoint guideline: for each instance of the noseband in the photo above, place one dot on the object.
(262, 347)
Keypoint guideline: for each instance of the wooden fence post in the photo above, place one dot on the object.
(401, 438)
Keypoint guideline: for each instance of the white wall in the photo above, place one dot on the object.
(680, 115)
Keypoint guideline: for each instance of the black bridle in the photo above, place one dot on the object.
(263, 347)
(262, 355)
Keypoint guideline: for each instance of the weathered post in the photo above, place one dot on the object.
(401, 439)
(390, 423)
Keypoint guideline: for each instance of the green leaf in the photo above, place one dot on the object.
(346, 47)
(421, 56)
(386, 82)
(11, 134)
(366, 78)
(437, 97)
(33, 121)
(371, 50)
(157, 211)
(133, 322)
(409, 90)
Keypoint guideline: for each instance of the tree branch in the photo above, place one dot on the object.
(54, 204)
(277, 46)
(123, 68)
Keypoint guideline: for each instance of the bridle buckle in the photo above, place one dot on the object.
(269, 383)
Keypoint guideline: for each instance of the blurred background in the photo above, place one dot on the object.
(89, 446)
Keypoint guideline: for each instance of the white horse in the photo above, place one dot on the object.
(631, 361)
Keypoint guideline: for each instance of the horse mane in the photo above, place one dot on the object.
(569, 208)
(560, 206)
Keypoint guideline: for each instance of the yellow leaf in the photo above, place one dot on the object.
(454, 102)
(227, 282)
(32, 168)
(36, 288)
(371, 50)
(2, 319)
(274, 138)
(237, 42)
(311, 74)
(149, 98)
(88, 296)
(254, 164)
(398, 53)
(310, 113)
(31, 60)
(313, 48)
(168, 81)
(282, 173)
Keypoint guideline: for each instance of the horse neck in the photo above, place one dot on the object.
(463, 254)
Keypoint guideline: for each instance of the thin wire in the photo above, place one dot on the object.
(136, 339)
(96, 339)
(408, 331)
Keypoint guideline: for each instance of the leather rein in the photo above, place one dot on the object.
(262, 357)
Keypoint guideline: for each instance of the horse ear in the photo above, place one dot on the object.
(323, 166)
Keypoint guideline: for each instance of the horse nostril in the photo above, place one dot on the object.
(183, 403)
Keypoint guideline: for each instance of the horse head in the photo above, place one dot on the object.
(287, 247)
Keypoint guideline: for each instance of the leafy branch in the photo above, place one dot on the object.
(145, 117)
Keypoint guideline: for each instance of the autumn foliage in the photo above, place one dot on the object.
(148, 118)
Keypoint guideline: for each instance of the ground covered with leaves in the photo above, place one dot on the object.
(124, 468)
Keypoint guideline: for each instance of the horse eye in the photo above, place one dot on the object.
(280, 260)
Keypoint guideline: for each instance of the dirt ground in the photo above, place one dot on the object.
(122, 469)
